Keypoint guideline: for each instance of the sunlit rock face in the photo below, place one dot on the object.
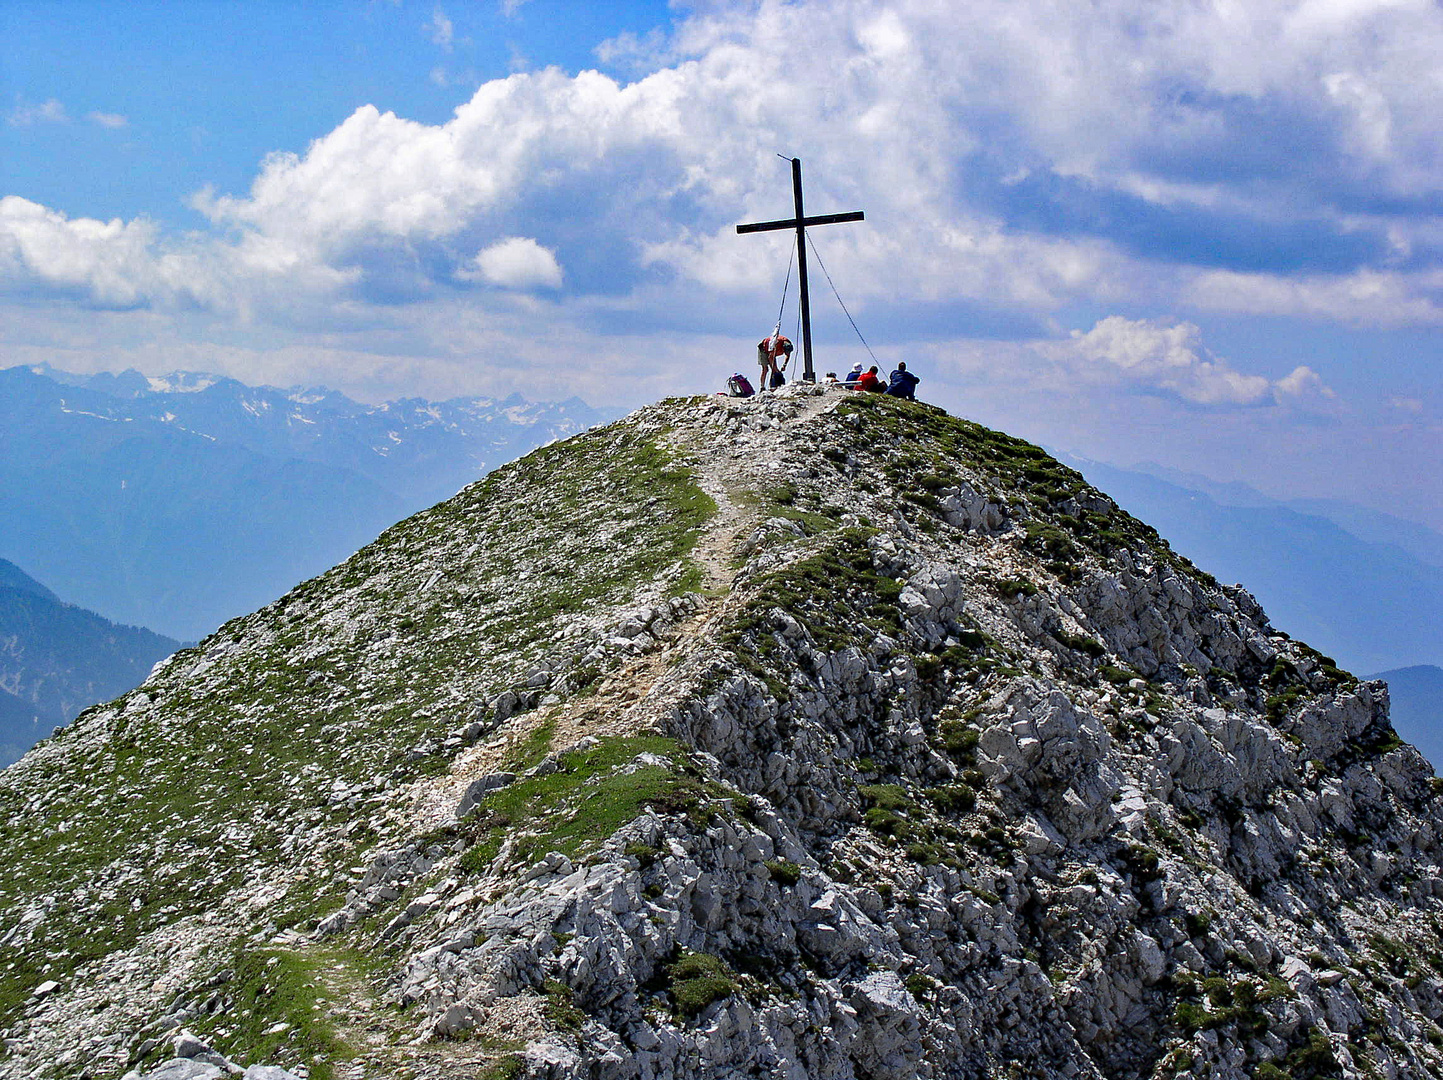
(814, 735)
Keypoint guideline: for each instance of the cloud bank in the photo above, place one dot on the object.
(1172, 359)
(1013, 156)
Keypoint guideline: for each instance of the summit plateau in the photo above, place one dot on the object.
(819, 735)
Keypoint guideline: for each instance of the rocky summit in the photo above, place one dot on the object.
(819, 735)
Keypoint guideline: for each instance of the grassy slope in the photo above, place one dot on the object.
(182, 794)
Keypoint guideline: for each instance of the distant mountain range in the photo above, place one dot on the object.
(179, 502)
(56, 659)
(1416, 539)
(1363, 587)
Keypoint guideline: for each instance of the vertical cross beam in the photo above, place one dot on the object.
(800, 223)
(808, 373)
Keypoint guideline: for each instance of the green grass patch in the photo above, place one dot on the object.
(783, 872)
(835, 593)
(959, 738)
(1010, 588)
(698, 979)
(886, 796)
(533, 749)
(293, 991)
(1116, 675)
(958, 798)
(561, 1008)
(508, 1067)
(592, 794)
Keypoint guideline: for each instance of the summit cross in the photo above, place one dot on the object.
(800, 223)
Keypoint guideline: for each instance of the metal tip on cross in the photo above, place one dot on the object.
(800, 223)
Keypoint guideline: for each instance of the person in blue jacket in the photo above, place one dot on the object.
(904, 383)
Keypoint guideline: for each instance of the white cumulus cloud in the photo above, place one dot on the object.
(1003, 151)
(109, 262)
(517, 262)
(128, 264)
(1171, 359)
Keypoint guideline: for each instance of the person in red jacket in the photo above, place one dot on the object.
(869, 381)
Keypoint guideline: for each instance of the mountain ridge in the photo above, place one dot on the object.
(12, 577)
(820, 734)
(1370, 602)
(56, 659)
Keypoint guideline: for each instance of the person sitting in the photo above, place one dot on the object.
(739, 386)
(855, 373)
(904, 383)
(869, 381)
(831, 379)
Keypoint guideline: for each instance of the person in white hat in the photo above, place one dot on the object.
(855, 373)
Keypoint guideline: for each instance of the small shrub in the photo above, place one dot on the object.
(1142, 862)
(927, 667)
(1010, 588)
(1080, 643)
(1190, 1016)
(783, 872)
(886, 822)
(642, 853)
(1218, 990)
(925, 854)
(920, 985)
(1278, 704)
(561, 1008)
(952, 798)
(958, 738)
(698, 979)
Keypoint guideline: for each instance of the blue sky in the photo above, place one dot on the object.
(1204, 235)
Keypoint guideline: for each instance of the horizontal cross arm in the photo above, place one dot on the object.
(792, 223)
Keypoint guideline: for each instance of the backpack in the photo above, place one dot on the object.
(737, 386)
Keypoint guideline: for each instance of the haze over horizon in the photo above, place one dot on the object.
(1202, 236)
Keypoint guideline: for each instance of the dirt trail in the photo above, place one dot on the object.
(746, 466)
(631, 699)
(382, 1052)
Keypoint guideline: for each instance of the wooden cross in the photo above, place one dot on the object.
(800, 223)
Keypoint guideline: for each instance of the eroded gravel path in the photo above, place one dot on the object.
(734, 459)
